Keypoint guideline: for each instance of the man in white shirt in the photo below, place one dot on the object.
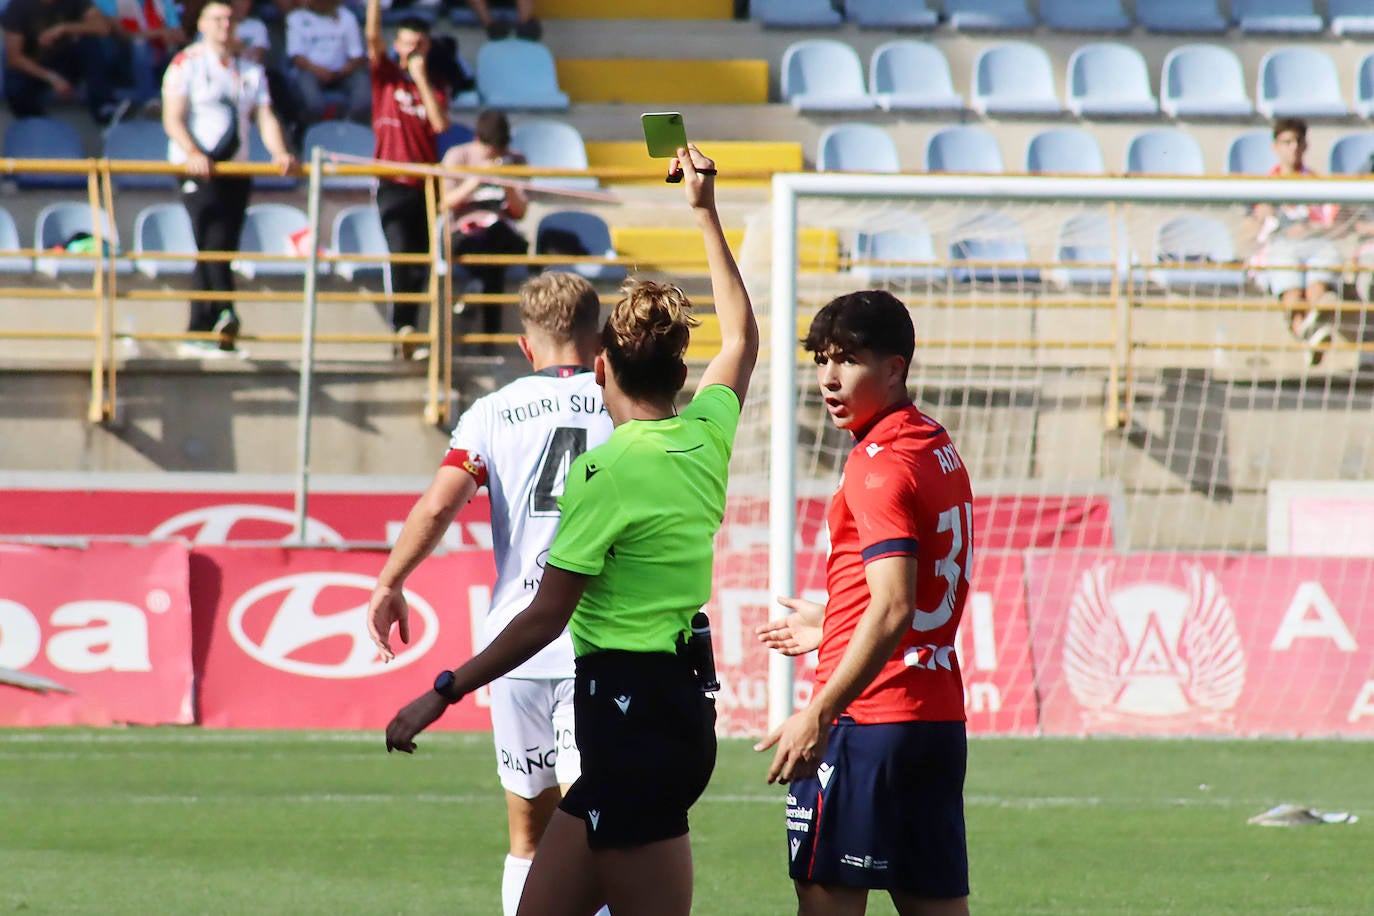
(325, 44)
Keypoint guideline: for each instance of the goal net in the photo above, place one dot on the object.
(1135, 411)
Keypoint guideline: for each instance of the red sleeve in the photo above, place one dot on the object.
(882, 497)
(471, 462)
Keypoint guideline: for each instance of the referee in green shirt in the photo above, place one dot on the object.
(629, 567)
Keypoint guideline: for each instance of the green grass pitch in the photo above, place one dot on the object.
(173, 820)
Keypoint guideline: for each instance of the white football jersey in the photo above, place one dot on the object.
(528, 433)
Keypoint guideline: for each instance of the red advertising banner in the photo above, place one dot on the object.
(1173, 644)
(282, 637)
(112, 622)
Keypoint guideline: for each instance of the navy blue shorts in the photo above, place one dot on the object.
(884, 811)
(648, 740)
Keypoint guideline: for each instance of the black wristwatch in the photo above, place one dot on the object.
(443, 685)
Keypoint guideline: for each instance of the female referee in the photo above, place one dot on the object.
(630, 565)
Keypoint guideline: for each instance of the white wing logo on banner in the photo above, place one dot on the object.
(1153, 649)
(215, 524)
(294, 624)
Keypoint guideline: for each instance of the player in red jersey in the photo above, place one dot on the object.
(876, 760)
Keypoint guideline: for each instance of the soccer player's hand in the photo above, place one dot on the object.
(698, 176)
(388, 606)
(415, 717)
(796, 634)
(801, 744)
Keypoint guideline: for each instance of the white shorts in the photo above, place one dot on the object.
(532, 725)
(1298, 263)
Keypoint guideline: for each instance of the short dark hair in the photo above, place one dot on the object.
(871, 319)
(492, 128)
(1290, 125)
(413, 24)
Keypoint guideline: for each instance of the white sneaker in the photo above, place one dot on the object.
(202, 349)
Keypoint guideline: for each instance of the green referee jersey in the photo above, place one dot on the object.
(639, 515)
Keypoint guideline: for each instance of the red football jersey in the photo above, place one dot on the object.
(399, 122)
(905, 492)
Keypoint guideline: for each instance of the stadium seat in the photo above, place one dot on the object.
(457, 133)
(1195, 238)
(823, 75)
(968, 149)
(567, 231)
(1180, 16)
(1109, 79)
(257, 152)
(554, 145)
(1276, 17)
(994, 237)
(268, 229)
(164, 229)
(1204, 81)
(1364, 87)
(1351, 154)
(138, 141)
(1014, 78)
(1351, 17)
(54, 227)
(1089, 241)
(44, 138)
(1164, 152)
(341, 137)
(891, 14)
(857, 148)
(1251, 153)
(988, 15)
(9, 241)
(912, 76)
(358, 231)
(1299, 82)
(1065, 151)
(514, 74)
(899, 248)
(1084, 16)
(795, 14)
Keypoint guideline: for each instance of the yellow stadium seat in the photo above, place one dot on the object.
(636, 9)
(679, 249)
(652, 81)
(758, 159)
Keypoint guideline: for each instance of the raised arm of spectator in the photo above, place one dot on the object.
(372, 31)
(739, 330)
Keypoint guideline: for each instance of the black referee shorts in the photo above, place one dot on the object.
(647, 736)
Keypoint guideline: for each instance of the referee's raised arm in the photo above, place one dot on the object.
(739, 331)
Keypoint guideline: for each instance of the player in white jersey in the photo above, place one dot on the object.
(519, 441)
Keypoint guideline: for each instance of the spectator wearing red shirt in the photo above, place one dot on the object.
(876, 760)
(408, 114)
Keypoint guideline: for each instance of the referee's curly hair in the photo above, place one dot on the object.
(645, 338)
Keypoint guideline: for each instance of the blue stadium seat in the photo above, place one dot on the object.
(1299, 82)
(795, 14)
(1109, 79)
(995, 237)
(1251, 153)
(164, 229)
(1196, 239)
(988, 15)
(1014, 78)
(457, 133)
(44, 138)
(823, 75)
(55, 226)
(857, 148)
(1351, 17)
(911, 75)
(1364, 87)
(1164, 152)
(138, 141)
(341, 137)
(1089, 241)
(591, 234)
(1065, 151)
(1084, 16)
(891, 14)
(964, 149)
(554, 145)
(358, 231)
(9, 241)
(1180, 16)
(1276, 17)
(257, 152)
(267, 229)
(899, 248)
(1350, 154)
(1204, 81)
(514, 74)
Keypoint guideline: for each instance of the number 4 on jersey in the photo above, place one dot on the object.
(564, 445)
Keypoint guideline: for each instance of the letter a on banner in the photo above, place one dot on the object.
(1325, 621)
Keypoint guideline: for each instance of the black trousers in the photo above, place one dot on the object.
(217, 207)
(405, 223)
(498, 238)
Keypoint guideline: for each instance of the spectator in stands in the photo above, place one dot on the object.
(144, 36)
(482, 214)
(52, 47)
(325, 45)
(408, 113)
(208, 96)
(526, 26)
(1302, 264)
(253, 43)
